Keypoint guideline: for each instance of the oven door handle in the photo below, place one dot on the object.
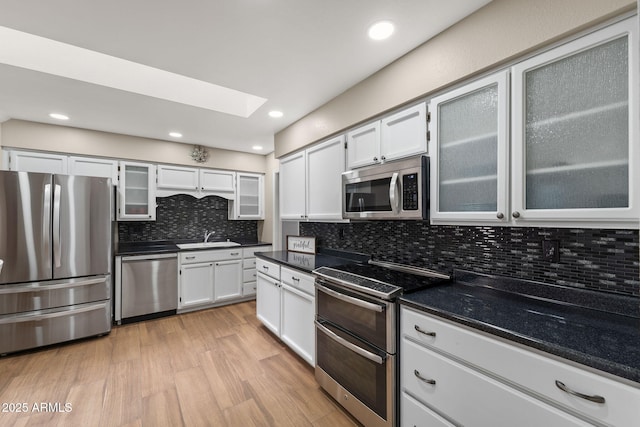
(351, 300)
(362, 352)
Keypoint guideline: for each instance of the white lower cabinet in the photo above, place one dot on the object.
(249, 275)
(285, 304)
(416, 414)
(209, 278)
(298, 313)
(227, 280)
(268, 299)
(195, 284)
(470, 378)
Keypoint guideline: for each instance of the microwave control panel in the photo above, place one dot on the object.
(410, 192)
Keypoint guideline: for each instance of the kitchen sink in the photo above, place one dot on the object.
(203, 245)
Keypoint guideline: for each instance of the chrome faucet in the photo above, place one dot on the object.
(207, 235)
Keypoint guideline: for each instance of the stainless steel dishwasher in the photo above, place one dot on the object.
(149, 286)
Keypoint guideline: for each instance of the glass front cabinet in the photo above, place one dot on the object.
(572, 155)
(469, 160)
(249, 200)
(137, 192)
(575, 130)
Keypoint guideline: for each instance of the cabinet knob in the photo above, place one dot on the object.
(383, 158)
(375, 159)
(516, 214)
(500, 215)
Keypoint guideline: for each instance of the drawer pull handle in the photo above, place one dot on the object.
(431, 334)
(423, 379)
(189, 257)
(295, 279)
(594, 398)
(265, 267)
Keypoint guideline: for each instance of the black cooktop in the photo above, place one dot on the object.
(381, 281)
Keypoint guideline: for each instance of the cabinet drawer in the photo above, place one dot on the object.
(271, 269)
(249, 275)
(250, 252)
(470, 398)
(415, 414)
(249, 289)
(249, 263)
(527, 369)
(192, 257)
(298, 280)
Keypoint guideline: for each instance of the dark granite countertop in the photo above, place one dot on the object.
(168, 246)
(309, 262)
(595, 329)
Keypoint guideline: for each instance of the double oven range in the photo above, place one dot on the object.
(357, 321)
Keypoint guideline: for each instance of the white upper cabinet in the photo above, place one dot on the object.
(470, 155)
(324, 166)
(176, 178)
(401, 134)
(311, 182)
(29, 161)
(404, 133)
(363, 145)
(137, 192)
(249, 199)
(575, 131)
(573, 140)
(196, 182)
(217, 182)
(292, 187)
(90, 166)
(26, 161)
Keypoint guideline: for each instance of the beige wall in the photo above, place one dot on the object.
(496, 34)
(45, 137)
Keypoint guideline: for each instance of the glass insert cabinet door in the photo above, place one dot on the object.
(249, 197)
(573, 132)
(136, 191)
(470, 157)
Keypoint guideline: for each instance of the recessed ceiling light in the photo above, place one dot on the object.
(257, 147)
(58, 116)
(175, 134)
(275, 114)
(381, 30)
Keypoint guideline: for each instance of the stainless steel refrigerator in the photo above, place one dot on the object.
(55, 244)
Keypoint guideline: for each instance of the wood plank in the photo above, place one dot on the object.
(197, 401)
(123, 400)
(212, 367)
(162, 409)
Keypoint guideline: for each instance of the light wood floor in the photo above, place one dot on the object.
(216, 367)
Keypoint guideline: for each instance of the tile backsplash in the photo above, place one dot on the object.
(596, 259)
(185, 217)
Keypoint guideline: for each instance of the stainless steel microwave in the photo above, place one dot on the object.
(392, 190)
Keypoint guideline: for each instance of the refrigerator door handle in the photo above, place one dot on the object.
(46, 223)
(56, 226)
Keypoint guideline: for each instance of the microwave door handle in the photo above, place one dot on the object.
(393, 193)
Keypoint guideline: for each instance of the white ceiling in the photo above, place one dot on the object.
(298, 54)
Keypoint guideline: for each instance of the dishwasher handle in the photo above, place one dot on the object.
(149, 257)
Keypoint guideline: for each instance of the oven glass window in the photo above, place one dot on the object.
(365, 379)
(370, 325)
(368, 196)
